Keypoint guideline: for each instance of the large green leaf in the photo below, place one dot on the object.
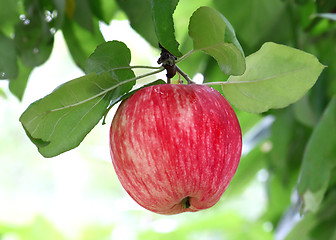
(139, 13)
(275, 77)
(164, 24)
(319, 160)
(61, 120)
(212, 33)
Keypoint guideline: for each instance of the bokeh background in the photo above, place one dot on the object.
(77, 196)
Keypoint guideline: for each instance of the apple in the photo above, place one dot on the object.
(175, 147)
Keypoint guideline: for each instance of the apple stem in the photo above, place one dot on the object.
(168, 61)
(185, 202)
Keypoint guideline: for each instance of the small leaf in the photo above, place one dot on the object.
(140, 17)
(61, 120)
(319, 160)
(212, 33)
(164, 24)
(275, 77)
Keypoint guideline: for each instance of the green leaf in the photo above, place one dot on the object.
(325, 6)
(2, 94)
(61, 120)
(83, 14)
(282, 131)
(139, 14)
(18, 84)
(33, 39)
(253, 20)
(103, 9)
(275, 76)
(319, 159)
(304, 112)
(164, 24)
(8, 59)
(59, 6)
(80, 41)
(212, 33)
(8, 15)
(302, 229)
(325, 229)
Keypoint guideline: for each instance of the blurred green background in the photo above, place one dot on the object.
(77, 196)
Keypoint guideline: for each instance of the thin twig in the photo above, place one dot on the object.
(184, 75)
(129, 67)
(215, 83)
(185, 56)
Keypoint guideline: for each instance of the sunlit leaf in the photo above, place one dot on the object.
(212, 33)
(61, 120)
(275, 76)
(164, 24)
(319, 160)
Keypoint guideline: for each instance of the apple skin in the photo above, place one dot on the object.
(175, 148)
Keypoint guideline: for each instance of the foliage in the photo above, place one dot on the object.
(287, 43)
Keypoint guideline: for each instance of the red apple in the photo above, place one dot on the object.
(174, 147)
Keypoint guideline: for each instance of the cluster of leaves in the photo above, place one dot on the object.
(302, 155)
